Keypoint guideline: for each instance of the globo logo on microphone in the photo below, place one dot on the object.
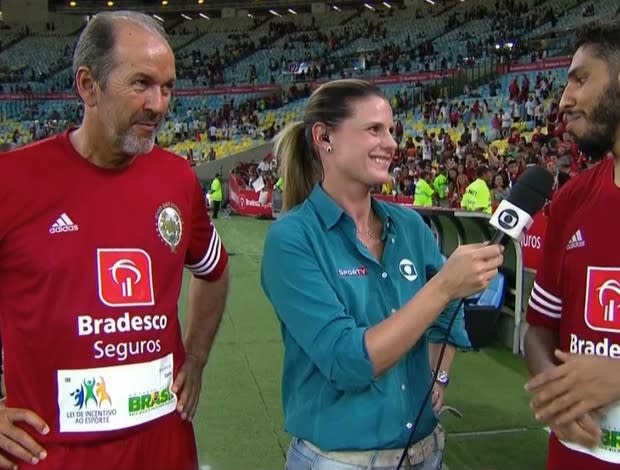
(508, 219)
(511, 220)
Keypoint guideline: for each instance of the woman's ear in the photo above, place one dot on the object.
(319, 131)
(321, 138)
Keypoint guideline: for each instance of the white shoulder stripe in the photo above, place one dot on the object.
(210, 267)
(546, 295)
(533, 305)
(211, 257)
(215, 239)
(539, 300)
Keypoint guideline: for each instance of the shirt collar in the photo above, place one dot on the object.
(330, 212)
(325, 206)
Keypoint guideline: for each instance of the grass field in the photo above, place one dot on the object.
(239, 424)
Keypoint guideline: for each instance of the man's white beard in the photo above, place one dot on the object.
(131, 144)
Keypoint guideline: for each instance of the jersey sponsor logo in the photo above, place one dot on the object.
(169, 225)
(576, 241)
(605, 347)
(64, 224)
(126, 323)
(125, 277)
(144, 402)
(407, 269)
(531, 241)
(602, 299)
(91, 393)
(346, 272)
(130, 394)
(92, 404)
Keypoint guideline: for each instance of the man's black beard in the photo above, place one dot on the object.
(601, 131)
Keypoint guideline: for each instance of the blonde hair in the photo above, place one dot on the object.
(330, 104)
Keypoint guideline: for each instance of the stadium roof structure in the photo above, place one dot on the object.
(212, 8)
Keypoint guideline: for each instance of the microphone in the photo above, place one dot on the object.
(528, 196)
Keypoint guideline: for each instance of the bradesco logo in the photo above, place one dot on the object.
(125, 277)
(602, 299)
(146, 402)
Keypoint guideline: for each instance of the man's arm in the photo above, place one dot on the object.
(207, 260)
(205, 307)
(540, 344)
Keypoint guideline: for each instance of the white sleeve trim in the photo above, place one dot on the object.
(534, 306)
(211, 258)
(547, 296)
(540, 301)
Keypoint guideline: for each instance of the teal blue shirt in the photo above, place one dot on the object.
(327, 289)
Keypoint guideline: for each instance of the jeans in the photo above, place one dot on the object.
(301, 457)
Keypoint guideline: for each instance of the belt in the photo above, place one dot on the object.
(416, 453)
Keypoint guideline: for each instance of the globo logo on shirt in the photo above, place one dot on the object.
(407, 269)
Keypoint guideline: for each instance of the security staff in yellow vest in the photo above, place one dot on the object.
(424, 192)
(440, 185)
(216, 194)
(477, 196)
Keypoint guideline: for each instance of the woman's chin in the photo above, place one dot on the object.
(381, 178)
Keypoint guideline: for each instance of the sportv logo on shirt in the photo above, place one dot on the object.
(361, 271)
(602, 299)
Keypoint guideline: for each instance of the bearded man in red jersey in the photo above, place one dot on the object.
(572, 345)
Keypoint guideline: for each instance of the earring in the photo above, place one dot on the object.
(329, 149)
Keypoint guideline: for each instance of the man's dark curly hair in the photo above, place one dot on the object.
(603, 37)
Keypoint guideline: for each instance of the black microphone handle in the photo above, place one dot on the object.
(499, 238)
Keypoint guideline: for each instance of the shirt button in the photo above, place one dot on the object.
(409, 425)
(384, 275)
(393, 310)
(402, 387)
(392, 240)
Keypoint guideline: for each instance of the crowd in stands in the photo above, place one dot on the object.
(449, 170)
(474, 114)
(448, 162)
(265, 172)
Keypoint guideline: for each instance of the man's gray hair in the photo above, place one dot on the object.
(95, 47)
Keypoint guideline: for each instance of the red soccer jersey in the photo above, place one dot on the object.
(577, 287)
(91, 264)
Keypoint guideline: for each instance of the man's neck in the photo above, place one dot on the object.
(90, 144)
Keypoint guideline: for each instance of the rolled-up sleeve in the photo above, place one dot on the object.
(437, 331)
(314, 320)
(458, 334)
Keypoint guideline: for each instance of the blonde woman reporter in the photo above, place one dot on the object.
(347, 277)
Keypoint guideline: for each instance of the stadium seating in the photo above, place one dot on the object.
(41, 60)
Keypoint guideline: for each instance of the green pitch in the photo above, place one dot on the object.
(239, 424)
